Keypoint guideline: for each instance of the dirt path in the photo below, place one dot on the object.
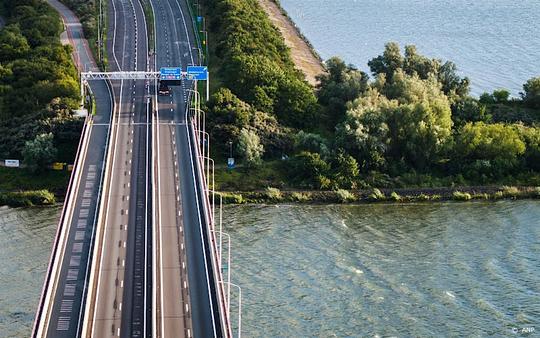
(301, 53)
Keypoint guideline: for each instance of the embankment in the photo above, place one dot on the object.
(303, 54)
(462, 194)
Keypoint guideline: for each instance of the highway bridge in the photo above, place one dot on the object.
(138, 250)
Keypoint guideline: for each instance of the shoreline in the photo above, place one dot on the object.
(401, 195)
(304, 55)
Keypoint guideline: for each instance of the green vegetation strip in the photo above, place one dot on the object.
(27, 198)
(274, 195)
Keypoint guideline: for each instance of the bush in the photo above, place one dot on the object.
(376, 195)
(27, 198)
(309, 169)
(250, 147)
(394, 196)
(498, 195)
(481, 196)
(461, 196)
(231, 198)
(344, 196)
(536, 192)
(423, 197)
(300, 197)
(273, 194)
(511, 192)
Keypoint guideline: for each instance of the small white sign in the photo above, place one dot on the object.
(12, 163)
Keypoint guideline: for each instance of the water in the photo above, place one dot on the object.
(496, 43)
(424, 270)
(405, 270)
(26, 236)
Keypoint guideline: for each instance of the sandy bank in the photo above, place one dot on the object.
(302, 55)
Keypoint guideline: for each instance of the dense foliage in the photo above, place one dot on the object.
(415, 120)
(256, 64)
(38, 82)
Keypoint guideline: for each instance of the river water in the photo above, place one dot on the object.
(404, 270)
(26, 236)
(494, 42)
(409, 270)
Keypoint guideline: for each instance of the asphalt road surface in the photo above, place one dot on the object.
(175, 47)
(68, 285)
(122, 292)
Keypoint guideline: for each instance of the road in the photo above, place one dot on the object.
(119, 235)
(119, 290)
(68, 269)
(175, 47)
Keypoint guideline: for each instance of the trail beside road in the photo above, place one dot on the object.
(84, 60)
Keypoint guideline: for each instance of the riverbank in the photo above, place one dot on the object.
(27, 198)
(20, 187)
(405, 195)
(304, 56)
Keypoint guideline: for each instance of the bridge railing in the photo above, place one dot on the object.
(43, 310)
(196, 121)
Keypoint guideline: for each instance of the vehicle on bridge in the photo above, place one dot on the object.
(163, 89)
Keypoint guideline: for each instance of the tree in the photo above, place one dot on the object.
(415, 63)
(341, 84)
(39, 152)
(469, 109)
(410, 124)
(389, 62)
(249, 147)
(314, 143)
(310, 169)
(226, 108)
(452, 84)
(13, 45)
(364, 133)
(487, 149)
(501, 95)
(344, 170)
(531, 94)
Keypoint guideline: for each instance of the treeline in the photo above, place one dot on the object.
(412, 122)
(38, 86)
(256, 63)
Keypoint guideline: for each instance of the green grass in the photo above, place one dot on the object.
(268, 174)
(15, 179)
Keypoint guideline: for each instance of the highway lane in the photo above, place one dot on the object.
(175, 47)
(172, 290)
(119, 286)
(60, 310)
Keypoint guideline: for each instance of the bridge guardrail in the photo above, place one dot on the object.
(60, 231)
(210, 231)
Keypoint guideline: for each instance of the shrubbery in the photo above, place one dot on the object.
(27, 198)
(38, 81)
(256, 63)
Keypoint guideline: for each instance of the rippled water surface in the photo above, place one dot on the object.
(409, 270)
(25, 242)
(494, 42)
(426, 270)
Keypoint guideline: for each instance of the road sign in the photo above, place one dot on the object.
(197, 72)
(12, 163)
(170, 73)
(230, 163)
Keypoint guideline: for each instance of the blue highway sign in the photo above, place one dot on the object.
(170, 73)
(197, 72)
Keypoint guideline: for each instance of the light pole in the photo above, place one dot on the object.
(199, 53)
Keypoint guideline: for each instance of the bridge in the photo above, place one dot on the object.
(139, 250)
